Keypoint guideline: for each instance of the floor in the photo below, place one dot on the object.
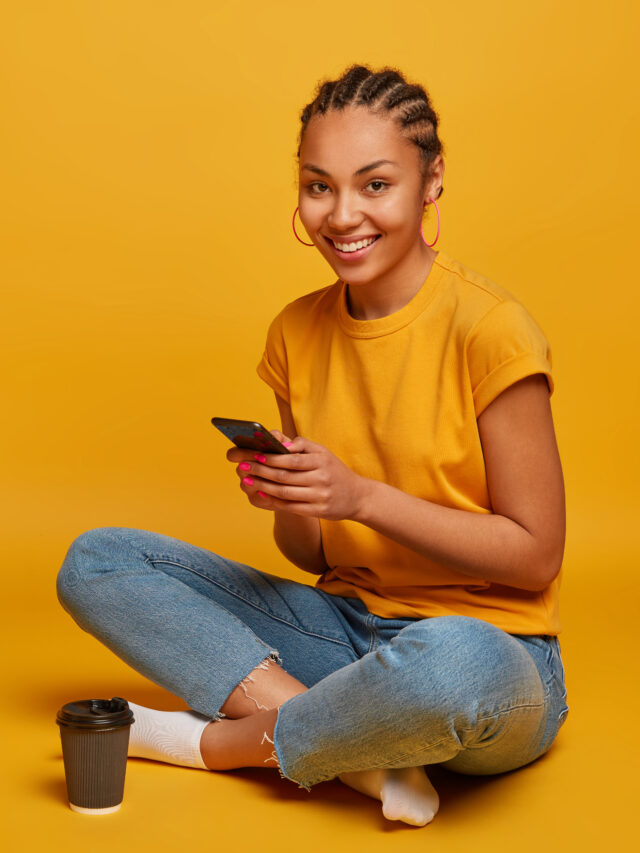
(574, 797)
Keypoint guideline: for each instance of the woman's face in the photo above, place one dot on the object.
(361, 195)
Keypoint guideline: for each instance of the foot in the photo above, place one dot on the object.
(170, 736)
(406, 793)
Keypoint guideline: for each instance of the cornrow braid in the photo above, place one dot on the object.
(378, 84)
(384, 92)
(346, 88)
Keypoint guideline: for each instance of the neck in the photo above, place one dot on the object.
(381, 297)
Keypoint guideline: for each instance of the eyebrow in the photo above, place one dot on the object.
(311, 168)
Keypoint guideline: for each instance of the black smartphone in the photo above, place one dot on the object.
(249, 434)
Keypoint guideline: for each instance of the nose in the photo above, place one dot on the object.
(344, 214)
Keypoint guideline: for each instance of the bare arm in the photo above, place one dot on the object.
(519, 544)
(298, 537)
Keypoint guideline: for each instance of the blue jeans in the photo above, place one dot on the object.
(450, 690)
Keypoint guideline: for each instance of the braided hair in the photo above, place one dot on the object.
(384, 92)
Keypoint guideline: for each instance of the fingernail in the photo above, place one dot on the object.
(259, 457)
(245, 466)
(247, 481)
(262, 494)
(287, 443)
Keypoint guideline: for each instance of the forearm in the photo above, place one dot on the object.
(491, 547)
(299, 539)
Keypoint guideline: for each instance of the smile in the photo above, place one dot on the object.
(355, 248)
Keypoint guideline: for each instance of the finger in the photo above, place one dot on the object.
(240, 454)
(281, 465)
(284, 492)
(261, 499)
(300, 444)
(279, 435)
(265, 501)
(248, 484)
(277, 474)
(250, 487)
(243, 470)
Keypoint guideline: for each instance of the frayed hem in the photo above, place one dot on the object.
(274, 757)
(274, 657)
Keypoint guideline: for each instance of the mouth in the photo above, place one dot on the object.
(353, 249)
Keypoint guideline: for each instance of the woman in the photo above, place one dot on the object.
(423, 487)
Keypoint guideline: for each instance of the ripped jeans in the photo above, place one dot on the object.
(450, 690)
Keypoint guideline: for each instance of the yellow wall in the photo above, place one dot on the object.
(148, 184)
(147, 181)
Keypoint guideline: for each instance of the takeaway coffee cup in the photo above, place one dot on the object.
(95, 742)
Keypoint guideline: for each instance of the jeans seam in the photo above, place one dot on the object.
(374, 637)
(468, 731)
(512, 708)
(431, 746)
(250, 603)
(411, 754)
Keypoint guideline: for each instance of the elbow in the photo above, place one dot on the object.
(302, 558)
(548, 568)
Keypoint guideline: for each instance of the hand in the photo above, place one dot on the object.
(310, 480)
(245, 456)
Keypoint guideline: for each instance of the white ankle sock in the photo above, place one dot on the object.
(406, 793)
(171, 736)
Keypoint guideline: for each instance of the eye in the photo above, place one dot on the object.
(318, 187)
(377, 186)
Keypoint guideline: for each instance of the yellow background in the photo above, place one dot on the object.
(148, 181)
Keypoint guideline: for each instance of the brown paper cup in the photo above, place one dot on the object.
(95, 743)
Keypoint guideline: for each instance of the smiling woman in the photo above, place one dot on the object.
(364, 215)
(422, 488)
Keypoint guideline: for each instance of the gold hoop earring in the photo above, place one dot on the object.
(438, 231)
(293, 223)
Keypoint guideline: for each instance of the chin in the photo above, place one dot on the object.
(360, 277)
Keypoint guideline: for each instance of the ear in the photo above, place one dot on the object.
(434, 181)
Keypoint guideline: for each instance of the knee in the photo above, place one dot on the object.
(86, 555)
(457, 667)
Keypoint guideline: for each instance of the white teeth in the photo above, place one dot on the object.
(353, 247)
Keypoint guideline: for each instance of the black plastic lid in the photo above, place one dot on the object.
(96, 714)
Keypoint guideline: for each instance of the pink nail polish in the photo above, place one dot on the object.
(247, 481)
(287, 443)
(259, 457)
(262, 494)
(245, 466)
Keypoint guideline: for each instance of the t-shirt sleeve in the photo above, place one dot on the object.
(273, 366)
(504, 346)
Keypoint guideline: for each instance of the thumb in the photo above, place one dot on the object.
(279, 435)
(299, 444)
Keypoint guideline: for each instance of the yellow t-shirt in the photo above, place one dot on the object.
(396, 399)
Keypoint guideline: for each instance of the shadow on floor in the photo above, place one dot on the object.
(456, 791)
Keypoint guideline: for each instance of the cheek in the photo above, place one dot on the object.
(400, 227)
(310, 214)
(397, 217)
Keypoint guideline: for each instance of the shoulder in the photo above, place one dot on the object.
(308, 309)
(499, 339)
(478, 300)
(477, 291)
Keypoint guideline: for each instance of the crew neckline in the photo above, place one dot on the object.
(392, 322)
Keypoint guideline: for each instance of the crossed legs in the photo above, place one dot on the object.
(244, 738)
(451, 690)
